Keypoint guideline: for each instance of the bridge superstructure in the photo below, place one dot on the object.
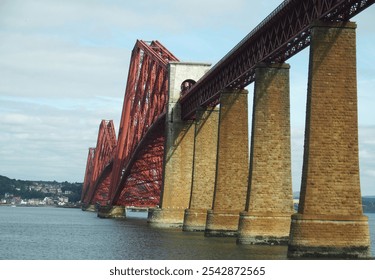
(166, 156)
(282, 34)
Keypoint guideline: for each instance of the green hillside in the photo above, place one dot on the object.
(39, 189)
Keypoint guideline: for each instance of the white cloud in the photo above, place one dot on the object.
(36, 67)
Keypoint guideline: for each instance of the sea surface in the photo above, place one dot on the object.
(46, 233)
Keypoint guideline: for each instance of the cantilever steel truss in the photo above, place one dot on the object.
(129, 173)
(137, 166)
(88, 175)
(99, 163)
(285, 32)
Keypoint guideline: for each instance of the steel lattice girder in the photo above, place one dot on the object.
(101, 160)
(145, 100)
(142, 178)
(101, 187)
(88, 175)
(285, 32)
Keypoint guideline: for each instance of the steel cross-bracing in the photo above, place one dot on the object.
(88, 175)
(137, 164)
(99, 164)
(285, 32)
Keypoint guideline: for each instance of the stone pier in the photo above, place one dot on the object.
(204, 169)
(269, 204)
(330, 222)
(112, 212)
(89, 208)
(232, 165)
(178, 166)
(179, 149)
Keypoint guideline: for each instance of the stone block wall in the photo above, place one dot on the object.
(204, 169)
(232, 165)
(269, 202)
(330, 221)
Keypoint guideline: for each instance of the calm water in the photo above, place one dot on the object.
(69, 234)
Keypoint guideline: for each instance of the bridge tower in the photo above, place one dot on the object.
(179, 148)
(330, 221)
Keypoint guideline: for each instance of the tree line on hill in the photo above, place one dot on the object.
(27, 189)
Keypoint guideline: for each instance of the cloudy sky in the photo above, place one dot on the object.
(63, 68)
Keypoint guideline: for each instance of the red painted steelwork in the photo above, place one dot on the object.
(100, 166)
(137, 166)
(285, 32)
(88, 175)
(143, 174)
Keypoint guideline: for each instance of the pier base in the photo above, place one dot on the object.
(222, 223)
(112, 212)
(335, 237)
(195, 220)
(263, 228)
(89, 208)
(165, 218)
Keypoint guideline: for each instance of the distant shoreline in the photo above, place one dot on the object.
(40, 206)
(371, 211)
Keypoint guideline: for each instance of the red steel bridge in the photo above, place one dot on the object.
(128, 171)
